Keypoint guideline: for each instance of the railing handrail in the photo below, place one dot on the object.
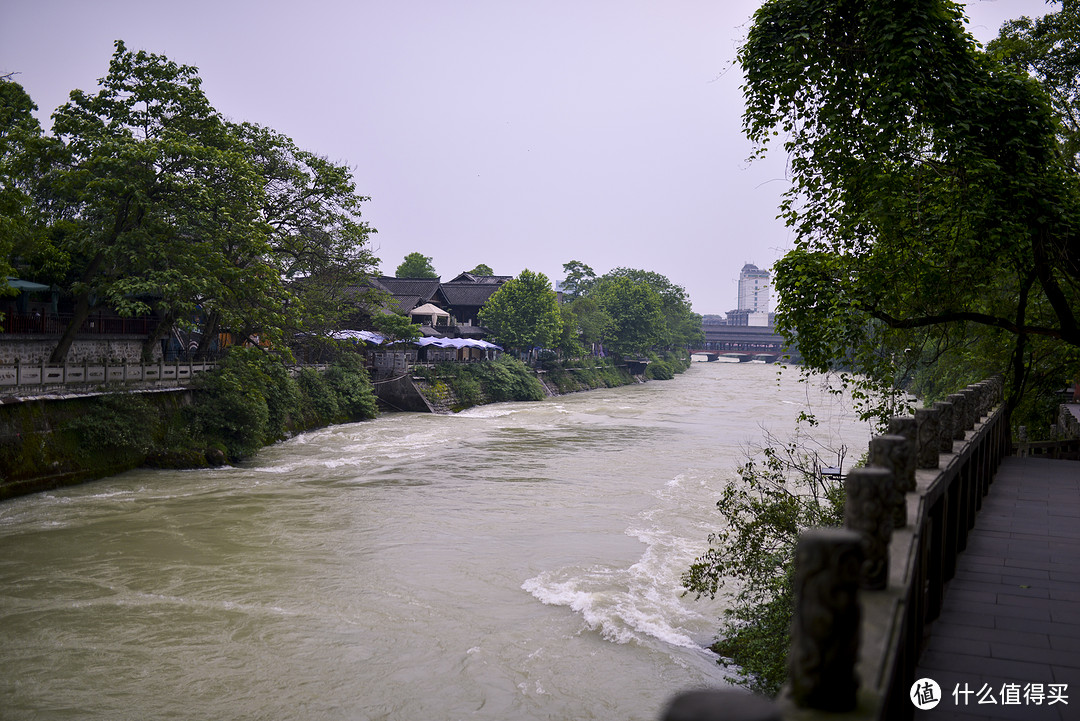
(932, 489)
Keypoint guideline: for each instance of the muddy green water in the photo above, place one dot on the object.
(516, 561)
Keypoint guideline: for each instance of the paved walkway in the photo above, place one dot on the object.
(1010, 628)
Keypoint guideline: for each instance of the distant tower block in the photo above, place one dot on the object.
(754, 294)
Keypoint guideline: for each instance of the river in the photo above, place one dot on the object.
(515, 561)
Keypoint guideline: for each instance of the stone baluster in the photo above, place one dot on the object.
(929, 422)
(959, 420)
(897, 455)
(907, 427)
(972, 416)
(868, 510)
(945, 429)
(826, 618)
(985, 403)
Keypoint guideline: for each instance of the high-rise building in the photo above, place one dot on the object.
(754, 289)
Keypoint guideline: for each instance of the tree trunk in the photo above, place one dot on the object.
(82, 312)
(163, 327)
(209, 332)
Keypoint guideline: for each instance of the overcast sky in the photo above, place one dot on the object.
(517, 133)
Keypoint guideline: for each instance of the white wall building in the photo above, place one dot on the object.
(754, 290)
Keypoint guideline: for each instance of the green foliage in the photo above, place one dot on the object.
(319, 399)
(503, 379)
(934, 211)
(481, 269)
(523, 313)
(592, 321)
(579, 280)
(21, 154)
(146, 200)
(123, 424)
(780, 492)
(416, 265)
(635, 313)
(681, 326)
(658, 370)
(250, 400)
(232, 403)
(569, 341)
(629, 311)
(396, 326)
(349, 380)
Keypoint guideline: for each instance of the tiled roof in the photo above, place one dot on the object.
(426, 288)
(481, 279)
(468, 293)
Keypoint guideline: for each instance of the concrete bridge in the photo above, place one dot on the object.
(953, 584)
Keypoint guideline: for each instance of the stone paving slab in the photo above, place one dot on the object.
(1011, 615)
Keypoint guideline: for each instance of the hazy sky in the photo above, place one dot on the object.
(517, 133)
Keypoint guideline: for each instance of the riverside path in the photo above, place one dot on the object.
(1007, 642)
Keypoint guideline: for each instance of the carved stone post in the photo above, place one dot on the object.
(868, 509)
(972, 416)
(907, 427)
(945, 431)
(825, 623)
(929, 421)
(897, 455)
(986, 397)
(959, 401)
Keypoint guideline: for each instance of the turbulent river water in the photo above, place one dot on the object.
(515, 561)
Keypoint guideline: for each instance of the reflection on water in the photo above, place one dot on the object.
(513, 561)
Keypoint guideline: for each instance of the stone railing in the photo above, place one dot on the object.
(44, 378)
(866, 593)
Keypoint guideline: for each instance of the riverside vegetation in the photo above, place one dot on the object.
(250, 401)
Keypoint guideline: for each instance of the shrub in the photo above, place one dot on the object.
(124, 424)
(779, 493)
(247, 402)
(659, 371)
(350, 382)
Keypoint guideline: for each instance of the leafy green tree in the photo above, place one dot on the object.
(157, 194)
(592, 321)
(317, 239)
(579, 279)
(523, 313)
(1046, 47)
(416, 265)
(395, 326)
(682, 326)
(569, 342)
(931, 203)
(482, 269)
(20, 153)
(635, 313)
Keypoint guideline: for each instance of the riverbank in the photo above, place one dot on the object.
(251, 403)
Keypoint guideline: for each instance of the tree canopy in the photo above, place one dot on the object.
(630, 311)
(416, 265)
(146, 199)
(523, 313)
(934, 205)
(481, 269)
